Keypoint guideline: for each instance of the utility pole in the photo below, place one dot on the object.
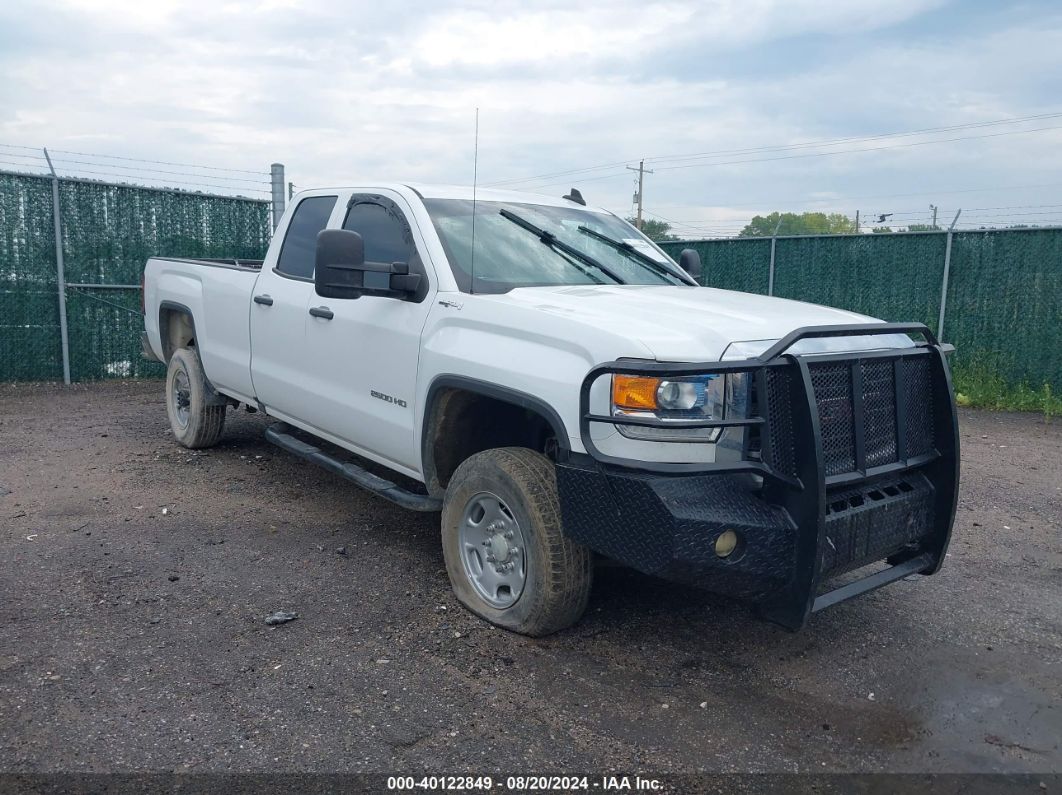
(933, 207)
(857, 222)
(641, 182)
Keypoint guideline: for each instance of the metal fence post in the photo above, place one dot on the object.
(276, 173)
(774, 243)
(60, 270)
(944, 281)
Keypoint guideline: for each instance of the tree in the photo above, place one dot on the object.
(923, 228)
(882, 230)
(802, 224)
(653, 229)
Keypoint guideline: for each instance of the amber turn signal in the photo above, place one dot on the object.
(634, 391)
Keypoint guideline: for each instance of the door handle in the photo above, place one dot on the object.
(322, 311)
(264, 300)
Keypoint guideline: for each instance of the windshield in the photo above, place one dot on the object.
(509, 255)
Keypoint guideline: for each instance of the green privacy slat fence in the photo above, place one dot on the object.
(1004, 298)
(739, 264)
(1004, 305)
(108, 233)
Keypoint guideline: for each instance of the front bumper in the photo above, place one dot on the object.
(855, 461)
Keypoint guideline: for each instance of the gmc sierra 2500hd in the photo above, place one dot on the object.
(559, 388)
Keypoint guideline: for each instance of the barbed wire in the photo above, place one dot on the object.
(135, 159)
(33, 160)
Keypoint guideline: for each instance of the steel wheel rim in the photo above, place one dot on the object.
(182, 398)
(493, 550)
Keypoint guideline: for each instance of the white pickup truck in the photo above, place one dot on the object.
(562, 391)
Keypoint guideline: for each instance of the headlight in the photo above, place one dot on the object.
(701, 397)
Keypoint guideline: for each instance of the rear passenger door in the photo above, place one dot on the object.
(362, 360)
(278, 311)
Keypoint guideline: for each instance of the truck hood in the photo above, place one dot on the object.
(688, 324)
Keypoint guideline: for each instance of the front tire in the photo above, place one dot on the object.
(195, 424)
(508, 559)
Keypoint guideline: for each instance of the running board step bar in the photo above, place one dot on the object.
(279, 434)
(873, 582)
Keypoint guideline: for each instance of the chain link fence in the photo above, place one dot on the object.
(108, 232)
(1001, 301)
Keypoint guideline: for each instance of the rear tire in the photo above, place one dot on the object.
(508, 559)
(194, 423)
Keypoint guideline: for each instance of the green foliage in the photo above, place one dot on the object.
(802, 224)
(654, 229)
(880, 230)
(978, 385)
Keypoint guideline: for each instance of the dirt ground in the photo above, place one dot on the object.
(135, 577)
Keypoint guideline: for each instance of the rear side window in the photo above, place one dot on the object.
(382, 228)
(300, 242)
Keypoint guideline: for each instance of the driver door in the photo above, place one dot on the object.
(364, 351)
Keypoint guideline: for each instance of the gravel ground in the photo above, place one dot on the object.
(136, 577)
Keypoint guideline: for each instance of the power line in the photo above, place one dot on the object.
(839, 141)
(784, 147)
(844, 199)
(868, 149)
(812, 154)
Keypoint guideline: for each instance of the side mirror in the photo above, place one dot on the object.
(340, 269)
(690, 261)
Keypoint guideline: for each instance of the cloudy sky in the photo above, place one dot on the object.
(349, 91)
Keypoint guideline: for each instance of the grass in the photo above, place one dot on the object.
(979, 386)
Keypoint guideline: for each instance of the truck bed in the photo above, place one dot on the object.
(217, 294)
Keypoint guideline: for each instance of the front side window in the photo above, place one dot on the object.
(383, 230)
(588, 247)
(300, 242)
(386, 235)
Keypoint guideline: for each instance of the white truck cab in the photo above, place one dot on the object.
(561, 389)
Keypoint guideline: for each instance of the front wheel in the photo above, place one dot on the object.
(508, 560)
(195, 424)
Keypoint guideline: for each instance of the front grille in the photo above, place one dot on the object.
(833, 397)
(872, 413)
(916, 386)
(879, 411)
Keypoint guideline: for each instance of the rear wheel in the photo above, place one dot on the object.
(195, 424)
(508, 559)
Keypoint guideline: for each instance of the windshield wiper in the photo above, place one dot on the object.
(551, 240)
(627, 248)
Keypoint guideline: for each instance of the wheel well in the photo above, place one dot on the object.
(176, 329)
(462, 422)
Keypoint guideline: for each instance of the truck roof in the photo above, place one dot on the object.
(429, 191)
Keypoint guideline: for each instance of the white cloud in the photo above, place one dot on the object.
(342, 91)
